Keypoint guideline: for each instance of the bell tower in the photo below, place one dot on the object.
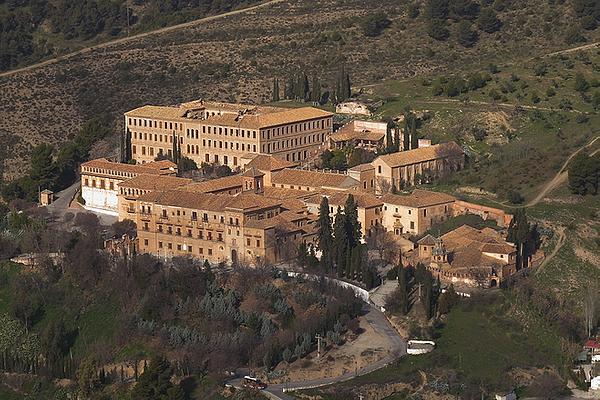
(253, 181)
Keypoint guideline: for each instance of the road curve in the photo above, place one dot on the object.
(379, 323)
(138, 36)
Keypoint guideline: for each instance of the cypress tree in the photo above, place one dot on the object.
(402, 290)
(353, 228)
(275, 97)
(324, 234)
(315, 93)
(288, 91)
(518, 232)
(176, 150)
(396, 140)
(340, 240)
(305, 88)
(389, 141)
(427, 294)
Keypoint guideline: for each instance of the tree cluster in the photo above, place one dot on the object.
(373, 25)
(342, 251)
(584, 174)
(55, 170)
(525, 236)
(464, 13)
(298, 87)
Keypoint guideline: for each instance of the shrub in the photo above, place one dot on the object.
(375, 24)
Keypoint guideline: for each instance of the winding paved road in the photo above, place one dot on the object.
(379, 323)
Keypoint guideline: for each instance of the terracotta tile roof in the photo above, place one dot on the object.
(216, 185)
(252, 173)
(266, 120)
(153, 182)
(185, 199)
(418, 198)
(103, 163)
(427, 240)
(266, 162)
(234, 115)
(207, 201)
(249, 201)
(167, 113)
(438, 151)
(362, 167)
(283, 193)
(363, 200)
(498, 248)
(286, 221)
(303, 178)
(162, 164)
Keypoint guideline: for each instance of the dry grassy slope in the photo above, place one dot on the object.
(236, 58)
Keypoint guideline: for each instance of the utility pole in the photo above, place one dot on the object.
(319, 338)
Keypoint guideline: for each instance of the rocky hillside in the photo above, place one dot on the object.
(236, 57)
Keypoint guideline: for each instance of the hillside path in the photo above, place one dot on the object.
(560, 177)
(103, 45)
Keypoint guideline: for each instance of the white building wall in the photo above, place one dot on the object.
(100, 200)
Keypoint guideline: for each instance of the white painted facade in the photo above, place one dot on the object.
(100, 200)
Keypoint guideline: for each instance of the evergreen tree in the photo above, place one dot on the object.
(518, 232)
(343, 87)
(340, 240)
(155, 381)
(288, 91)
(396, 140)
(448, 300)
(176, 149)
(427, 294)
(488, 21)
(465, 35)
(275, 97)
(315, 93)
(389, 141)
(402, 290)
(324, 235)
(302, 254)
(353, 228)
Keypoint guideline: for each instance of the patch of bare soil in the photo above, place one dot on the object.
(358, 352)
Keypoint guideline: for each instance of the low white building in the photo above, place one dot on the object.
(100, 181)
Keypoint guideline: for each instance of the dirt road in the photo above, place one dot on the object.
(139, 36)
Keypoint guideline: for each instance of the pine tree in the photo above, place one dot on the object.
(305, 89)
(275, 97)
(324, 234)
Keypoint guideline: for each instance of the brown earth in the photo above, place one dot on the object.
(236, 58)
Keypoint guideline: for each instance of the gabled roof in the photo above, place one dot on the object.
(362, 167)
(153, 168)
(216, 185)
(252, 173)
(418, 198)
(351, 131)
(267, 162)
(234, 115)
(209, 202)
(303, 178)
(154, 182)
(337, 198)
(408, 157)
(427, 240)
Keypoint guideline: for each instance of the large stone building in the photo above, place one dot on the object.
(100, 179)
(406, 168)
(223, 133)
(415, 213)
